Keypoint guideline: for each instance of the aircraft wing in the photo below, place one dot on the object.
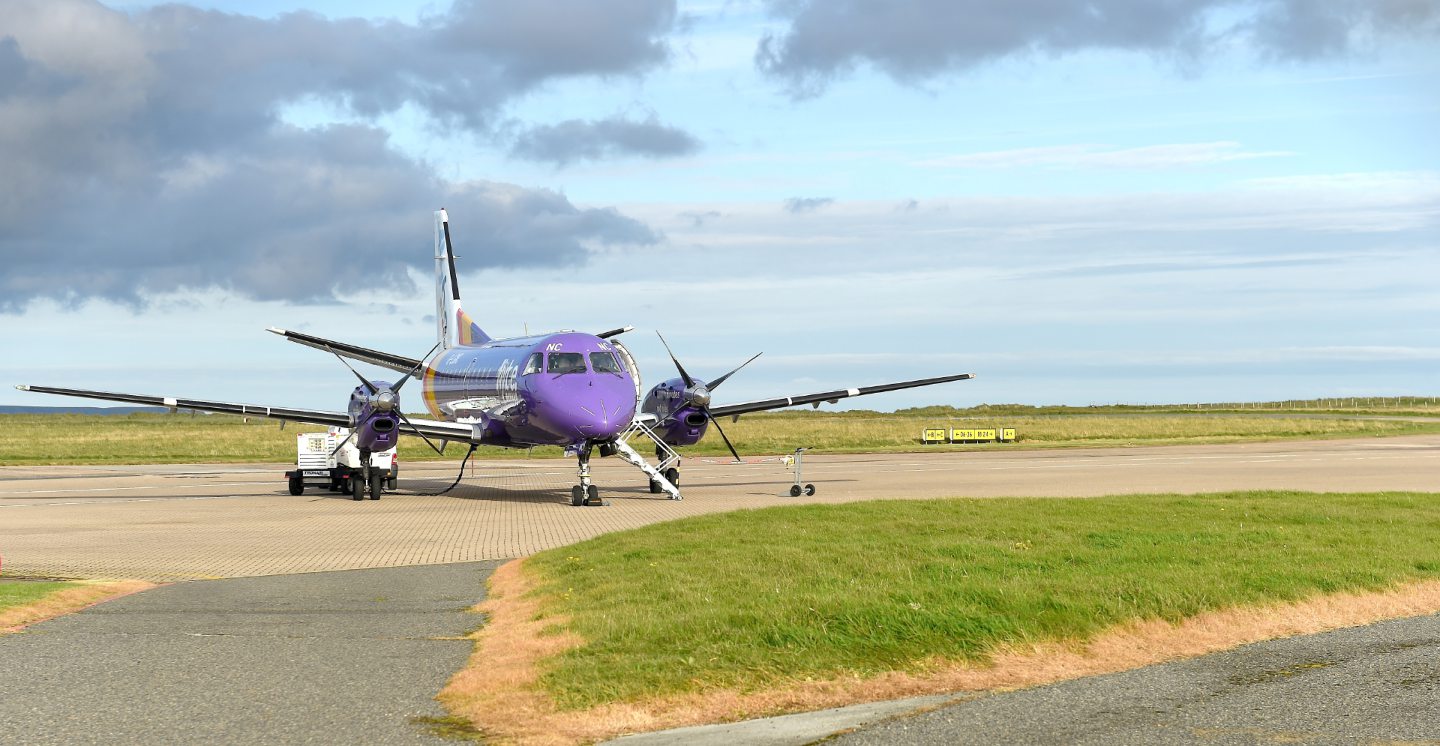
(830, 396)
(398, 363)
(430, 428)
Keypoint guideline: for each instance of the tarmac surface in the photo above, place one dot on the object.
(204, 522)
(1374, 684)
(356, 656)
(346, 657)
(1364, 685)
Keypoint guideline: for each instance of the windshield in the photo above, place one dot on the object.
(604, 362)
(566, 362)
(532, 365)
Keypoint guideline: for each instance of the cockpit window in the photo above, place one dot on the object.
(533, 365)
(604, 362)
(567, 362)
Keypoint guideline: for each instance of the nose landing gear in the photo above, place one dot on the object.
(585, 493)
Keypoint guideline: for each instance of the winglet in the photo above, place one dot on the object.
(22, 387)
(275, 330)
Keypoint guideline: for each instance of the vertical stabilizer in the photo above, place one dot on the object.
(449, 315)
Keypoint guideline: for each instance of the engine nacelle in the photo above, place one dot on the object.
(681, 421)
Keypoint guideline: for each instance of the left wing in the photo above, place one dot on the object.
(830, 396)
(455, 431)
(398, 363)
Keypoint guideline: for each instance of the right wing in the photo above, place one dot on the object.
(354, 352)
(830, 396)
(454, 431)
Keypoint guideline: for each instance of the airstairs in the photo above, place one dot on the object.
(670, 458)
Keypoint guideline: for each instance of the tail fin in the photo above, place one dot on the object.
(447, 293)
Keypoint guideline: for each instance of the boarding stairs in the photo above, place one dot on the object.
(671, 458)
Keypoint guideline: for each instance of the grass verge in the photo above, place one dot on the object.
(29, 439)
(759, 612)
(23, 603)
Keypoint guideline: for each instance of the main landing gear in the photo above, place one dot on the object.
(585, 493)
(672, 474)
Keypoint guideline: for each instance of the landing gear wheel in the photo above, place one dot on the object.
(297, 485)
(654, 487)
(809, 490)
(377, 485)
(794, 490)
(592, 495)
(577, 496)
(672, 475)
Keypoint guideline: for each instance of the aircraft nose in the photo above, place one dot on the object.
(592, 408)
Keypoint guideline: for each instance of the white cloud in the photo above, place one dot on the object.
(1177, 155)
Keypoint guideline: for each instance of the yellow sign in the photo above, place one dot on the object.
(958, 435)
(1007, 435)
(933, 435)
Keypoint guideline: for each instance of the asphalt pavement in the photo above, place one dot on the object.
(335, 657)
(1365, 685)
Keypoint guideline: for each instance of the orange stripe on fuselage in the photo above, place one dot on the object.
(427, 388)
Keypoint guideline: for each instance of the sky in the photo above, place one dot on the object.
(1115, 201)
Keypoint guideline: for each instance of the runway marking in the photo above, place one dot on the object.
(131, 500)
(118, 489)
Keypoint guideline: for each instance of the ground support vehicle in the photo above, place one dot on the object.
(331, 460)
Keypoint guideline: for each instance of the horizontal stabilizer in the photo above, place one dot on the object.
(398, 363)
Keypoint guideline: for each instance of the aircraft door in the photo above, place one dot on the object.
(630, 365)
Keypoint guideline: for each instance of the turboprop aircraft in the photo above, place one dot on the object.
(571, 389)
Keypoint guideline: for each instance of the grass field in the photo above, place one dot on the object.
(758, 599)
(13, 594)
(30, 439)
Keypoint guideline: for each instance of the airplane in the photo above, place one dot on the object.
(576, 390)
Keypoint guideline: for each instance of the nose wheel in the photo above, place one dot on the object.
(585, 493)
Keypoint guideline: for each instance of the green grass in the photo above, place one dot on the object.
(27, 439)
(755, 599)
(14, 594)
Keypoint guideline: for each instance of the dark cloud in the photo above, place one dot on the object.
(912, 40)
(145, 152)
(797, 205)
(576, 140)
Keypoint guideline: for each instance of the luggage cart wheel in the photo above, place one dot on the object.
(809, 489)
(794, 490)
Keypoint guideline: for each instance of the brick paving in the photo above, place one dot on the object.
(191, 522)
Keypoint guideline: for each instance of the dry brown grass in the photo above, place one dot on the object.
(499, 689)
(85, 594)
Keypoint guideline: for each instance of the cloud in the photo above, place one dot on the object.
(576, 140)
(144, 152)
(914, 40)
(799, 205)
(1103, 156)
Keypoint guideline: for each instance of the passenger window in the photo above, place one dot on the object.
(566, 362)
(532, 365)
(604, 362)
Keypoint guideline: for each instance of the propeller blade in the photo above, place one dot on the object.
(417, 432)
(370, 387)
(716, 383)
(718, 429)
(343, 442)
(411, 372)
(683, 375)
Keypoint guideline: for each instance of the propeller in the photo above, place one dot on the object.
(386, 400)
(697, 394)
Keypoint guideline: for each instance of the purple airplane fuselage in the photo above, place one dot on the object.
(560, 389)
